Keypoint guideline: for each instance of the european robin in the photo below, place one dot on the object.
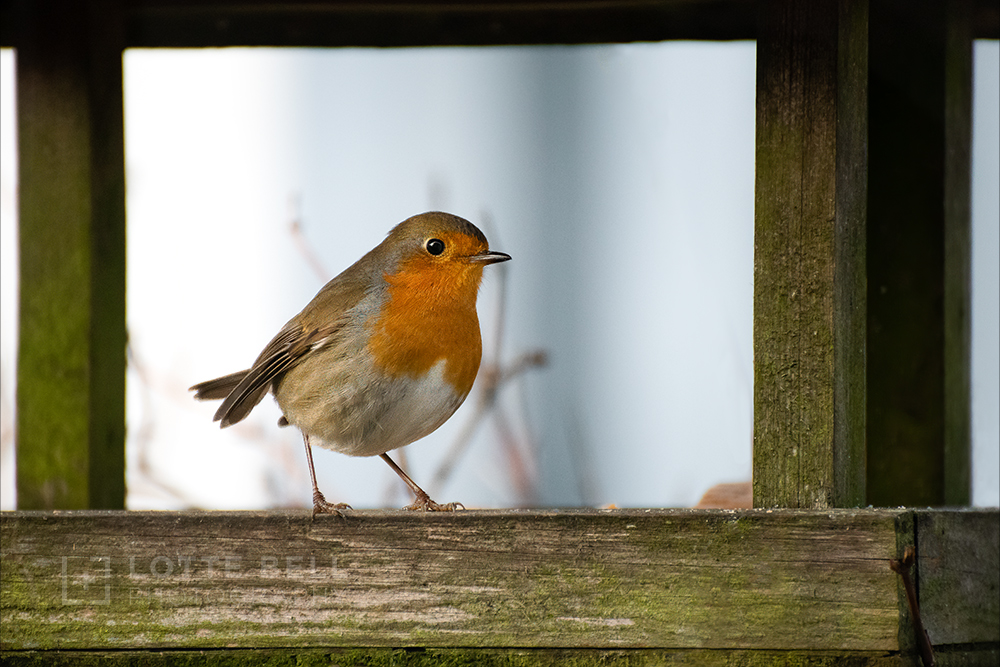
(383, 354)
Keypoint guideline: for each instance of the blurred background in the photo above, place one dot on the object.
(619, 177)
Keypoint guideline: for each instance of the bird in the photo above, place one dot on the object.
(382, 355)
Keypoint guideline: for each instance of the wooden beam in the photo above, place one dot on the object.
(918, 254)
(753, 587)
(955, 549)
(809, 268)
(71, 356)
(435, 23)
(181, 23)
(714, 579)
(165, 23)
(474, 657)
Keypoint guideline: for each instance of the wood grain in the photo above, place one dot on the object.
(957, 557)
(809, 255)
(71, 354)
(920, 86)
(461, 657)
(637, 579)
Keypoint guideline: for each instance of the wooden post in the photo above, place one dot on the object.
(71, 357)
(918, 262)
(809, 267)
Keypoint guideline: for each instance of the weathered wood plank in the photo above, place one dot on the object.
(71, 356)
(435, 23)
(460, 657)
(159, 23)
(958, 568)
(958, 255)
(639, 579)
(809, 280)
(919, 448)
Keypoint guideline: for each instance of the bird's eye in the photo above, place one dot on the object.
(435, 246)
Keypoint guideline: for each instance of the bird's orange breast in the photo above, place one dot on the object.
(429, 315)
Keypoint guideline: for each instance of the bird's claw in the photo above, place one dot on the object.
(424, 503)
(322, 506)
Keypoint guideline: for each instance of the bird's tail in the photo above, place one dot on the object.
(218, 388)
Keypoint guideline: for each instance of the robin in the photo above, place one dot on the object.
(383, 354)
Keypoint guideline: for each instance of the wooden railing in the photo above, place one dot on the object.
(676, 586)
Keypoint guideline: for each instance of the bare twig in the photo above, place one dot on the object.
(295, 230)
(492, 379)
(143, 435)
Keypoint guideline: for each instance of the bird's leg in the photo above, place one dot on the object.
(423, 501)
(320, 504)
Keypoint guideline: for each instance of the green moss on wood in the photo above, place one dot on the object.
(640, 579)
(394, 657)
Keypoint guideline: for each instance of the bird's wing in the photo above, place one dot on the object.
(317, 325)
(283, 352)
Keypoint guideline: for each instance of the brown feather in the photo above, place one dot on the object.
(218, 388)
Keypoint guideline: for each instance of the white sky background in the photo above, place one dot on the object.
(620, 178)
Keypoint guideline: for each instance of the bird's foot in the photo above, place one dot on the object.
(322, 506)
(425, 504)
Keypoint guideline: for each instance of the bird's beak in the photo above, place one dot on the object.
(489, 257)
